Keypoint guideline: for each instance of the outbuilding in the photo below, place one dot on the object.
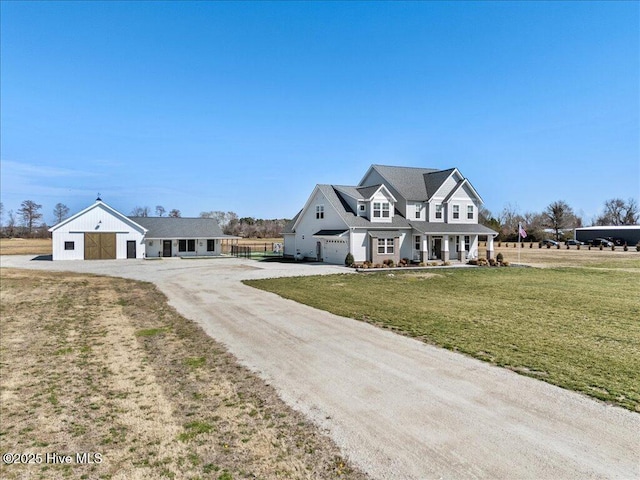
(100, 232)
(619, 234)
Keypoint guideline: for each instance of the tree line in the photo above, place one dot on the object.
(558, 217)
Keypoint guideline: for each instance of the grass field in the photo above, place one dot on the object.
(578, 328)
(103, 365)
(25, 246)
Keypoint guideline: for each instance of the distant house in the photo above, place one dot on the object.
(393, 213)
(100, 232)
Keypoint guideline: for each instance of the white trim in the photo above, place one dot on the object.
(111, 210)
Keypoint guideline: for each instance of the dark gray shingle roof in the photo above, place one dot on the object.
(414, 183)
(350, 217)
(452, 228)
(170, 227)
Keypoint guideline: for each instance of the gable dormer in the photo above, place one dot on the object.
(381, 205)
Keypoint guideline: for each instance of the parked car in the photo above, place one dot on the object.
(596, 242)
(546, 243)
(573, 242)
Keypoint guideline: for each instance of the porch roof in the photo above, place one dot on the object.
(384, 233)
(433, 228)
(330, 233)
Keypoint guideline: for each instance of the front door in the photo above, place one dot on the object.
(319, 251)
(436, 252)
(131, 249)
(166, 248)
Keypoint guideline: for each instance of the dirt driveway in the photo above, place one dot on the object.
(396, 407)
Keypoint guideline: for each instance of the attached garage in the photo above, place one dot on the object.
(332, 246)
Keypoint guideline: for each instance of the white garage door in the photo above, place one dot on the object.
(335, 251)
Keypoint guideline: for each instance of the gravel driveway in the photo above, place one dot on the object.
(396, 407)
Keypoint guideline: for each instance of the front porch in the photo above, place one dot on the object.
(449, 247)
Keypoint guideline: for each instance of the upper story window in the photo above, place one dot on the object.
(418, 211)
(319, 211)
(381, 209)
(470, 212)
(456, 211)
(439, 210)
(361, 208)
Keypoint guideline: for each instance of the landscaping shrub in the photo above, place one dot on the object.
(348, 261)
(500, 258)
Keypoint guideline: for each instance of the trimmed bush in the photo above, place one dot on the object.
(500, 258)
(348, 260)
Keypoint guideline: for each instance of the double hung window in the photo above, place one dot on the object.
(385, 246)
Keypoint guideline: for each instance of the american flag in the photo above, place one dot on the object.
(521, 231)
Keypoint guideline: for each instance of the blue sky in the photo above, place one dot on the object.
(246, 106)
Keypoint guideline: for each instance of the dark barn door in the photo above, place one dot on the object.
(131, 249)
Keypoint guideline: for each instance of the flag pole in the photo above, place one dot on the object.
(519, 243)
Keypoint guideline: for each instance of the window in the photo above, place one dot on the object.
(381, 209)
(418, 243)
(319, 211)
(418, 211)
(69, 245)
(385, 246)
(470, 212)
(191, 245)
(182, 245)
(439, 211)
(211, 245)
(456, 211)
(467, 243)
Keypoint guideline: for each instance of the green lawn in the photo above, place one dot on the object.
(578, 328)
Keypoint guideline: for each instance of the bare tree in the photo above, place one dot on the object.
(11, 224)
(1, 214)
(175, 213)
(160, 211)
(30, 213)
(140, 212)
(60, 212)
(618, 212)
(559, 215)
(509, 219)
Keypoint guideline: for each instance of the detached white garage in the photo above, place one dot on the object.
(98, 232)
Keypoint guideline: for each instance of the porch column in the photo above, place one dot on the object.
(445, 248)
(424, 252)
(489, 247)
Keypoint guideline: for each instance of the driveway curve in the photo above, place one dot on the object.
(397, 408)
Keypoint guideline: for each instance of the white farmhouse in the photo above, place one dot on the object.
(394, 212)
(100, 232)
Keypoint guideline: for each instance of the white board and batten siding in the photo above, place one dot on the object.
(69, 235)
(305, 242)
